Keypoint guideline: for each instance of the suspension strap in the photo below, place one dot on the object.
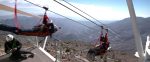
(15, 16)
(99, 38)
(45, 19)
(106, 37)
(45, 22)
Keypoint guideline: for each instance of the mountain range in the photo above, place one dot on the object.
(122, 38)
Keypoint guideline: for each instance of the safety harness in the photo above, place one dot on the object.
(45, 30)
(103, 40)
(15, 16)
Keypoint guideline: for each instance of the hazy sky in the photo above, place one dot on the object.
(100, 9)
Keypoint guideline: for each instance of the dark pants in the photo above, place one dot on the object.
(95, 52)
(18, 54)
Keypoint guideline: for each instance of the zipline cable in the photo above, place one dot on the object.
(77, 13)
(89, 19)
(90, 16)
(82, 11)
(61, 15)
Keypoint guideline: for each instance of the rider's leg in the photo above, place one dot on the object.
(16, 55)
(27, 52)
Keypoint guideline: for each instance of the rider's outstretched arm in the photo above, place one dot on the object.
(8, 28)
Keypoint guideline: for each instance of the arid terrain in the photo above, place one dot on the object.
(75, 51)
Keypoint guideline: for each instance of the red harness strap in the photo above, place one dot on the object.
(99, 39)
(107, 41)
(45, 19)
(103, 39)
(106, 37)
(15, 16)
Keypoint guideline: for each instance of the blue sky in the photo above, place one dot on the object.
(100, 9)
(141, 6)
